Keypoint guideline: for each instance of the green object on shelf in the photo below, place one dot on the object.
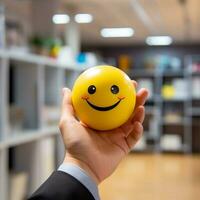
(43, 45)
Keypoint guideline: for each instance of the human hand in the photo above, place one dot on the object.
(99, 152)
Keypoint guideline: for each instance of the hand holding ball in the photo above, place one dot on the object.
(103, 97)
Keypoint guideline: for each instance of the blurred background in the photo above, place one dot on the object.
(46, 44)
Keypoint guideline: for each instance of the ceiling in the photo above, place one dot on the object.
(146, 17)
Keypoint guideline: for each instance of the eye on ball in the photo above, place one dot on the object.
(103, 97)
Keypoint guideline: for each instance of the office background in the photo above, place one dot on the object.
(46, 44)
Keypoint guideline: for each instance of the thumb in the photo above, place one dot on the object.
(67, 111)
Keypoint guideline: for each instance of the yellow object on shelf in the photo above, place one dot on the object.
(168, 91)
(124, 62)
(55, 51)
(103, 97)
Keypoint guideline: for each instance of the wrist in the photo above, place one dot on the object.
(84, 166)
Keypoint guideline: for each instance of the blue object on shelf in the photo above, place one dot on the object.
(81, 58)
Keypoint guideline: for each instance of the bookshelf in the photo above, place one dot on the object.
(37, 82)
(171, 128)
(30, 93)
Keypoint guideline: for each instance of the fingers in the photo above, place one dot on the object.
(133, 130)
(138, 116)
(67, 114)
(141, 97)
(135, 135)
(137, 130)
(67, 111)
(127, 128)
(140, 101)
(134, 83)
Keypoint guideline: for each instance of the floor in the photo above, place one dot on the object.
(154, 177)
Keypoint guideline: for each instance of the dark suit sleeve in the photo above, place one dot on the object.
(61, 186)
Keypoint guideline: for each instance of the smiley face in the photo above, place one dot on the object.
(103, 97)
(114, 89)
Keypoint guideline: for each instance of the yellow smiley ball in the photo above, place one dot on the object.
(103, 97)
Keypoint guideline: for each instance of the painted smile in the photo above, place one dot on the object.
(103, 108)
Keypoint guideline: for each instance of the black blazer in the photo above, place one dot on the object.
(61, 186)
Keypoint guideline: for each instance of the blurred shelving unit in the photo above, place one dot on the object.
(192, 63)
(30, 93)
(36, 82)
(172, 132)
(151, 81)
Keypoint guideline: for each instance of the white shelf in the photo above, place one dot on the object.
(174, 100)
(182, 122)
(195, 99)
(194, 112)
(28, 136)
(32, 86)
(179, 149)
(195, 73)
(142, 73)
(37, 59)
(173, 73)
